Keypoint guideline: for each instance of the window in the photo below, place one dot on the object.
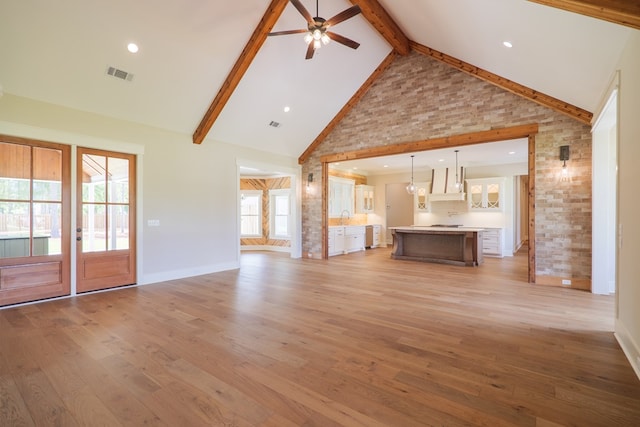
(280, 214)
(251, 214)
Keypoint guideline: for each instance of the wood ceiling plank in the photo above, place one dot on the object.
(347, 107)
(384, 24)
(493, 135)
(577, 113)
(249, 52)
(623, 12)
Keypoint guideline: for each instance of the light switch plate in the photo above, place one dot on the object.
(153, 223)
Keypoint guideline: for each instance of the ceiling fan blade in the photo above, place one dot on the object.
(282, 33)
(304, 12)
(342, 16)
(343, 40)
(310, 51)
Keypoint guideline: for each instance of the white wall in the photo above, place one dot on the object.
(192, 189)
(628, 296)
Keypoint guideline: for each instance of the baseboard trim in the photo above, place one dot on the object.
(576, 283)
(188, 272)
(265, 248)
(629, 347)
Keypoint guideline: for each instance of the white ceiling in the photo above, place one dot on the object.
(58, 52)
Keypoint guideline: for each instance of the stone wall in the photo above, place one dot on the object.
(419, 98)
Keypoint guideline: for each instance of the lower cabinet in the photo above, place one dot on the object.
(345, 239)
(492, 242)
(377, 236)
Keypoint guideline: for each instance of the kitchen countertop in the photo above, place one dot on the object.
(432, 228)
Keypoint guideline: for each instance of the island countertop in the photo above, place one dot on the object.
(419, 228)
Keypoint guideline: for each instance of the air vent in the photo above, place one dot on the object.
(120, 74)
(274, 124)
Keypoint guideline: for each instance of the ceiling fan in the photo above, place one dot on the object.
(317, 28)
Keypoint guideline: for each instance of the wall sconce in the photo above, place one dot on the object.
(309, 180)
(564, 156)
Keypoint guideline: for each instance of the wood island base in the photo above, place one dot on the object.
(459, 246)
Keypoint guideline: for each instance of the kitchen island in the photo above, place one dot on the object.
(449, 245)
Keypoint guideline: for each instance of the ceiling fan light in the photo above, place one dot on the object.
(308, 37)
(325, 39)
(317, 34)
(317, 44)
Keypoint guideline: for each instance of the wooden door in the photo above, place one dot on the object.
(399, 207)
(35, 220)
(105, 233)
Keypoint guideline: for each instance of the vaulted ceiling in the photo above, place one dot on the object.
(207, 68)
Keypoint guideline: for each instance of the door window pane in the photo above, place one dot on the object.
(94, 178)
(47, 174)
(118, 180)
(93, 228)
(47, 226)
(118, 227)
(14, 188)
(15, 225)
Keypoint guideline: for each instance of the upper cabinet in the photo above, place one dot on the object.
(341, 192)
(486, 194)
(421, 196)
(364, 198)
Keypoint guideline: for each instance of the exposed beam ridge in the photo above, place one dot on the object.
(570, 110)
(623, 12)
(348, 106)
(386, 26)
(249, 52)
(492, 135)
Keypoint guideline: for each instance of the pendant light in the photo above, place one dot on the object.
(458, 183)
(411, 188)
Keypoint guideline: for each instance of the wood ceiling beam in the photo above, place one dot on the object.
(623, 12)
(348, 106)
(493, 135)
(570, 110)
(249, 52)
(384, 24)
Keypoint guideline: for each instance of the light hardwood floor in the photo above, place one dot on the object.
(357, 340)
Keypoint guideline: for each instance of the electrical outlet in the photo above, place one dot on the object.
(566, 282)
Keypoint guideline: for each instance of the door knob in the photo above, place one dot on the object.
(79, 238)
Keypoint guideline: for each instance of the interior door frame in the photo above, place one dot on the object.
(523, 131)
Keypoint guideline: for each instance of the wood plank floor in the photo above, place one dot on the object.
(357, 340)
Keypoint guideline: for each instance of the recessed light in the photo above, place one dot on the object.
(385, 166)
(512, 152)
(336, 164)
(287, 109)
(355, 168)
(132, 47)
(507, 44)
(441, 160)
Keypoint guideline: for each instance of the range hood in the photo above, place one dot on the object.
(443, 185)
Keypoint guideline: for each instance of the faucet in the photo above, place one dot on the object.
(342, 216)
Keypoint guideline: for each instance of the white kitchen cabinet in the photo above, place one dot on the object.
(486, 194)
(377, 236)
(354, 238)
(345, 239)
(492, 242)
(421, 196)
(336, 241)
(340, 197)
(364, 198)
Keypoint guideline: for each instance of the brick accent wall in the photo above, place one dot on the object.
(420, 98)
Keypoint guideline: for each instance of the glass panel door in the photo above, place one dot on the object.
(105, 219)
(34, 220)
